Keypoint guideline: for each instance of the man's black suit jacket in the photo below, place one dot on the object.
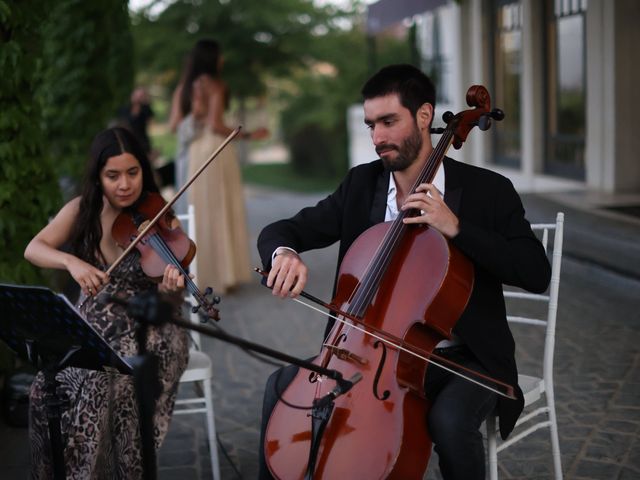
(494, 234)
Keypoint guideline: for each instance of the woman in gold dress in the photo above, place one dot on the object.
(199, 103)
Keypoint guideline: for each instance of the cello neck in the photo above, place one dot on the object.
(428, 172)
(378, 266)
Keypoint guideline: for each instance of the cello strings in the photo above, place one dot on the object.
(404, 349)
(394, 234)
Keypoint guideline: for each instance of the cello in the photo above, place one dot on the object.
(400, 291)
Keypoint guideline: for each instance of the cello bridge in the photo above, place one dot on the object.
(346, 355)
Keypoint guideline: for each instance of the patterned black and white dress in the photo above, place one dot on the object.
(100, 421)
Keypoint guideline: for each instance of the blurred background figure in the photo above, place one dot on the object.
(197, 115)
(136, 117)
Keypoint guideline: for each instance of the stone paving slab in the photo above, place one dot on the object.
(597, 369)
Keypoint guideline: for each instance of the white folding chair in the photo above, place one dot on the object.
(199, 369)
(536, 389)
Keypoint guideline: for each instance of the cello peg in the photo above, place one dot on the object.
(497, 114)
(484, 123)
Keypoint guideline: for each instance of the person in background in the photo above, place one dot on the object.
(99, 421)
(137, 116)
(197, 114)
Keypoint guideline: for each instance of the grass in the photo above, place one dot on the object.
(273, 175)
(165, 143)
(281, 176)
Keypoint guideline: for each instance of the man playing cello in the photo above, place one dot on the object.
(477, 210)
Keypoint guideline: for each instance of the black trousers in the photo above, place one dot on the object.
(458, 408)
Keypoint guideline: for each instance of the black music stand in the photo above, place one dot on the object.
(46, 330)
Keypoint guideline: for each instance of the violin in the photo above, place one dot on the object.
(400, 291)
(163, 244)
(133, 232)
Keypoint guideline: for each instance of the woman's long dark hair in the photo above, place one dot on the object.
(203, 59)
(87, 232)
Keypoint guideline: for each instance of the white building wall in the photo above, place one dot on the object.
(360, 145)
(612, 143)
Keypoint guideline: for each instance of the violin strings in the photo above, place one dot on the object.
(404, 349)
(168, 256)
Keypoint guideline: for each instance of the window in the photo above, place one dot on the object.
(507, 70)
(566, 88)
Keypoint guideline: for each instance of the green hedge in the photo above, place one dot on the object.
(65, 67)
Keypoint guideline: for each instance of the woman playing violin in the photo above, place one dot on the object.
(477, 210)
(100, 420)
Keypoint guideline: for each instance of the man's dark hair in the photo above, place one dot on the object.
(413, 87)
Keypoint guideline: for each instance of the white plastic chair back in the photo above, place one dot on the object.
(200, 367)
(189, 227)
(535, 388)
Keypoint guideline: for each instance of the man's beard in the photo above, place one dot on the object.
(407, 152)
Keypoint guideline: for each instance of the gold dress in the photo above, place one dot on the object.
(221, 226)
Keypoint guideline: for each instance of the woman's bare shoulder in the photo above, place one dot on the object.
(70, 209)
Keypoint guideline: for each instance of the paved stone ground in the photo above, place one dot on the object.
(597, 367)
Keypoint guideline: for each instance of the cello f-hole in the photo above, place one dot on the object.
(383, 358)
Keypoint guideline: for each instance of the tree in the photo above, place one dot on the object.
(258, 41)
(88, 72)
(313, 59)
(315, 119)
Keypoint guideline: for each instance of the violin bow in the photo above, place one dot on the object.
(168, 205)
(400, 344)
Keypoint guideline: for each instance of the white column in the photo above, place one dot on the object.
(626, 174)
(476, 44)
(600, 95)
(531, 90)
(361, 148)
(613, 74)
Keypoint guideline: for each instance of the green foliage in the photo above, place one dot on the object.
(258, 40)
(166, 144)
(315, 120)
(313, 60)
(65, 66)
(87, 73)
(28, 188)
(283, 177)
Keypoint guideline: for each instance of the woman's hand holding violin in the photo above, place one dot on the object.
(172, 280)
(90, 278)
